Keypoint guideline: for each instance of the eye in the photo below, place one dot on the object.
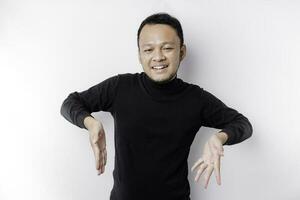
(147, 50)
(168, 48)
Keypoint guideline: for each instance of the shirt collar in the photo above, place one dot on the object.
(162, 90)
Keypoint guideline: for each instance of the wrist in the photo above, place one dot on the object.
(90, 122)
(222, 136)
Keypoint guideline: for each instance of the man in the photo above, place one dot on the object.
(156, 117)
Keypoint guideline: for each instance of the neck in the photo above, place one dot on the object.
(162, 82)
(162, 90)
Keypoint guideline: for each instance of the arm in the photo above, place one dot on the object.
(235, 129)
(79, 105)
(235, 126)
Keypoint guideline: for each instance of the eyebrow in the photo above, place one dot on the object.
(148, 44)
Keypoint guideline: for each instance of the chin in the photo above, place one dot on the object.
(161, 78)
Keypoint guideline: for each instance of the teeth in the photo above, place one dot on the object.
(159, 67)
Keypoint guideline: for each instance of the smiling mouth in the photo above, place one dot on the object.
(159, 67)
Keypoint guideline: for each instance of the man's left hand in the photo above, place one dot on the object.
(210, 160)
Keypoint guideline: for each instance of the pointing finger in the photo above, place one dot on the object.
(217, 169)
(207, 175)
(200, 171)
(197, 163)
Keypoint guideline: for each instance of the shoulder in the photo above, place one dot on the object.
(198, 89)
(201, 94)
(129, 78)
(129, 75)
(120, 77)
(194, 88)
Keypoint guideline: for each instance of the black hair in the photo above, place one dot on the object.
(162, 18)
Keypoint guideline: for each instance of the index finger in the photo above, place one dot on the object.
(217, 169)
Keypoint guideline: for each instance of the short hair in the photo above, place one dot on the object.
(162, 18)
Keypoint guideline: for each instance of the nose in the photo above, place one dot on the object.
(158, 56)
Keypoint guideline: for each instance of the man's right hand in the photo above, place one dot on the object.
(98, 142)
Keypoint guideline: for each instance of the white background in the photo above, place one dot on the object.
(244, 52)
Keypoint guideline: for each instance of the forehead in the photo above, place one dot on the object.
(152, 34)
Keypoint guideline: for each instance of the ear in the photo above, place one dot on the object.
(140, 60)
(182, 52)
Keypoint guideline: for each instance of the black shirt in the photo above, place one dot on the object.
(155, 125)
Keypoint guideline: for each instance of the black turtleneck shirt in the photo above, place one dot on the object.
(155, 125)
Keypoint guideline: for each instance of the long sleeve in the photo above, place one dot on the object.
(79, 105)
(216, 114)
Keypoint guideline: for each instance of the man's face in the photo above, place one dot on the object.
(160, 53)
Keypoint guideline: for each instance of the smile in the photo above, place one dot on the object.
(159, 67)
